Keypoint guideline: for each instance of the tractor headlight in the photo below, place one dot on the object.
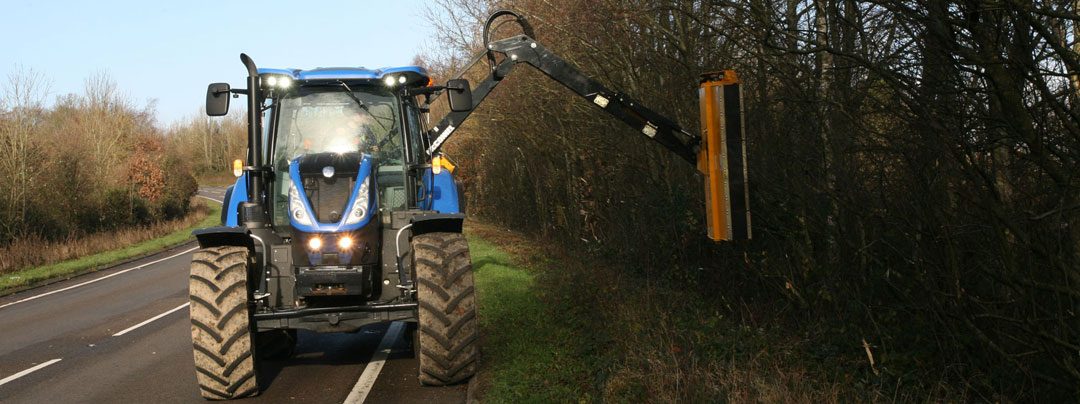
(296, 208)
(314, 243)
(344, 243)
(359, 208)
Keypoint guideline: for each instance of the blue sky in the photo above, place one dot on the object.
(170, 50)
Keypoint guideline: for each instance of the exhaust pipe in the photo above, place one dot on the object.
(254, 138)
(252, 213)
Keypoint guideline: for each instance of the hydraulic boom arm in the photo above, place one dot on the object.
(719, 153)
(525, 49)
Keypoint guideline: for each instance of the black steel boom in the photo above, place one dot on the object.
(524, 49)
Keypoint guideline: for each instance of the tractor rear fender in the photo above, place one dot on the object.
(224, 236)
(437, 222)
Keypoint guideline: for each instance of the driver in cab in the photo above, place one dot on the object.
(346, 133)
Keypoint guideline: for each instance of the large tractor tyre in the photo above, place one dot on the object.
(446, 330)
(221, 323)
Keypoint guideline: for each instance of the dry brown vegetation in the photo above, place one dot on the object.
(913, 184)
(210, 144)
(35, 251)
(92, 172)
(86, 163)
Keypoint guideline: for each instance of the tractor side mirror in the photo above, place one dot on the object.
(217, 99)
(460, 95)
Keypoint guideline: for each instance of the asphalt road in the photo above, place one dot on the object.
(60, 343)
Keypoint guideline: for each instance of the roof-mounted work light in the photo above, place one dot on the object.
(276, 81)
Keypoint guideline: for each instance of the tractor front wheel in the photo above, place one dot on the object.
(221, 323)
(446, 330)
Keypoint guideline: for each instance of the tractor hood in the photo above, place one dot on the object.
(343, 165)
(331, 192)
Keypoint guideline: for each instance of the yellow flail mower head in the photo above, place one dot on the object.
(722, 158)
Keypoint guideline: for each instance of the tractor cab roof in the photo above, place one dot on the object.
(407, 75)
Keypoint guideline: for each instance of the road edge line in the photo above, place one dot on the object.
(151, 319)
(98, 279)
(36, 368)
(99, 268)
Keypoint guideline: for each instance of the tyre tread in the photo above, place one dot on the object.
(447, 326)
(221, 323)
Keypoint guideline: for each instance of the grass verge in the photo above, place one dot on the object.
(525, 350)
(557, 328)
(536, 346)
(526, 354)
(30, 277)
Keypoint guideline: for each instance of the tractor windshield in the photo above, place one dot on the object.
(332, 119)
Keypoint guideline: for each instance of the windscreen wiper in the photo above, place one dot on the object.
(362, 105)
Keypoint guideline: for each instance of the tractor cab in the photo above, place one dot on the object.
(332, 133)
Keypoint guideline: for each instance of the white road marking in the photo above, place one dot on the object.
(375, 365)
(11, 378)
(207, 197)
(132, 328)
(99, 279)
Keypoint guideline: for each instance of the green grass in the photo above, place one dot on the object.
(531, 353)
(36, 275)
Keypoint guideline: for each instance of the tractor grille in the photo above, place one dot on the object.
(328, 196)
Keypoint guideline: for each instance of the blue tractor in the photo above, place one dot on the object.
(346, 212)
